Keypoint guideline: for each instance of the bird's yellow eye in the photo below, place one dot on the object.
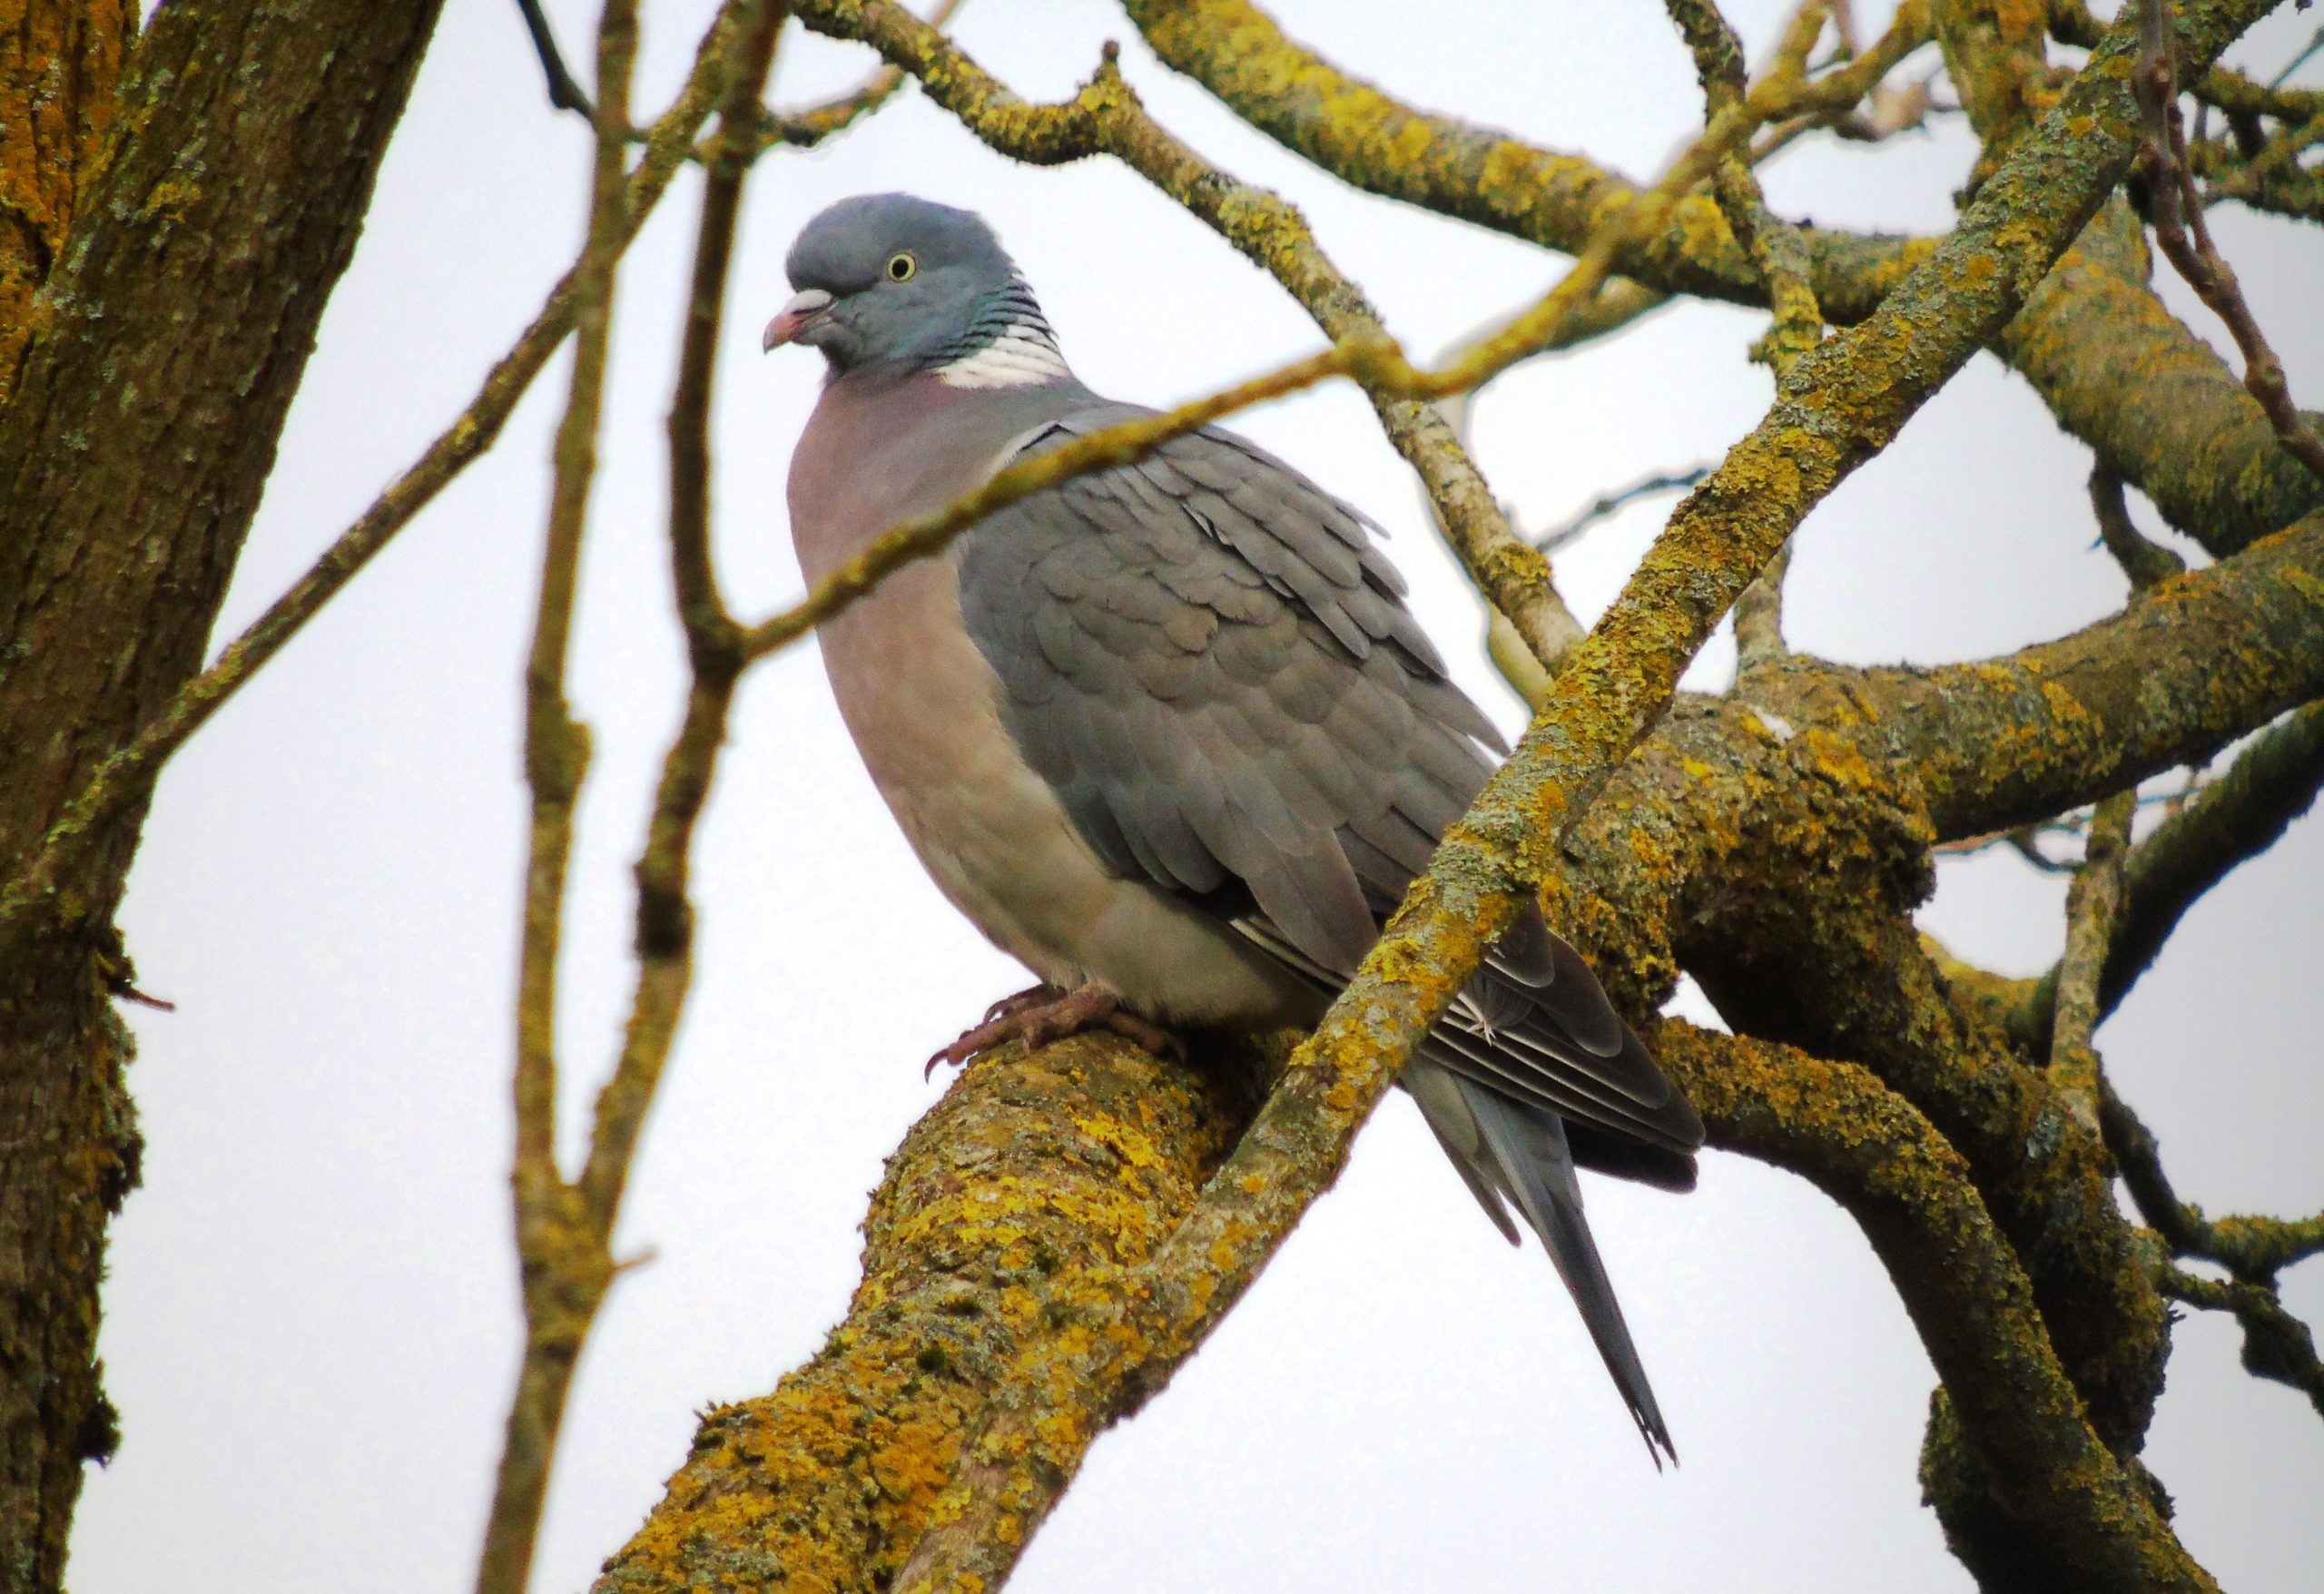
(901, 267)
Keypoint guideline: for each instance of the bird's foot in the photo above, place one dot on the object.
(1040, 1015)
(1032, 996)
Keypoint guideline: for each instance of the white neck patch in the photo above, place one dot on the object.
(1021, 356)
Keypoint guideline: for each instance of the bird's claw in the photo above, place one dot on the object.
(1041, 1015)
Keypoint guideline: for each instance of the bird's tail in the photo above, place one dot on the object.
(1516, 1153)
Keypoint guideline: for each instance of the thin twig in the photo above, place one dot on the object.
(2185, 236)
(563, 1277)
(565, 1228)
(1663, 481)
(1778, 251)
(2299, 61)
(564, 93)
(806, 128)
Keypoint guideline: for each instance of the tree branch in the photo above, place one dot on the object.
(1366, 137)
(2092, 903)
(1842, 1129)
(2134, 695)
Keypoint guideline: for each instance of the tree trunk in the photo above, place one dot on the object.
(146, 383)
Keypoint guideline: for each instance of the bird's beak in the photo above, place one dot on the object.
(804, 307)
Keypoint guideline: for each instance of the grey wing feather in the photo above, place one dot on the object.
(1209, 661)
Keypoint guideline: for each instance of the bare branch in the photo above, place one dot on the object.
(564, 93)
(1570, 530)
(565, 1229)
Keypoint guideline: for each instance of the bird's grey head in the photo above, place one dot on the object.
(887, 279)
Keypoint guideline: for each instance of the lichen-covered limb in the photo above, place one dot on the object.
(1995, 53)
(1365, 137)
(2188, 666)
(564, 1278)
(806, 128)
(1007, 1211)
(2273, 182)
(2144, 560)
(124, 776)
(1779, 254)
(1865, 1146)
(2153, 399)
(60, 80)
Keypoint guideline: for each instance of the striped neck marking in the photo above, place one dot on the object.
(1008, 344)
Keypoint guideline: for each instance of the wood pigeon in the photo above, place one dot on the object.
(1168, 734)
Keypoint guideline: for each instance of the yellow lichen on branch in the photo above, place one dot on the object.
(1006, 1212)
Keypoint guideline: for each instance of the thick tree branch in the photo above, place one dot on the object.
(1863, 1145)
(149, 379)
(60, 80)
(2188, 666)
(1009, 1208)
(1363, 135)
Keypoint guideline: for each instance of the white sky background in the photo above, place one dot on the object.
(311, 1320)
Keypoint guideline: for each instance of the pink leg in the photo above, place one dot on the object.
(1040, 1015)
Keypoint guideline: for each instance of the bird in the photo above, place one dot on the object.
(1169, 735)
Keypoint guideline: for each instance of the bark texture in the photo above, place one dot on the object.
(153, 370)
(1020, 1199)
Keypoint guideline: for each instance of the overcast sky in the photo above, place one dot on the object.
(311, 1322)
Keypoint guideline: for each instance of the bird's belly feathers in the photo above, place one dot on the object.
(923, 706)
